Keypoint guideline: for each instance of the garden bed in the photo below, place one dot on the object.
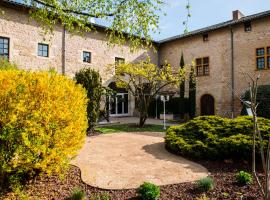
(223, 174)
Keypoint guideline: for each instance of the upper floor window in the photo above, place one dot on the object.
(4, 47)
(87, 56)
(205, 37)
(202, 66)
(119, 60)
(43, 50)
(263, 58)
(247, 26)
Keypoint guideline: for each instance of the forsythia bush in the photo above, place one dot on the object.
(213, 137)
(43, 122)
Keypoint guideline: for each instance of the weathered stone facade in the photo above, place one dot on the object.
(66, 54)
(219, 50)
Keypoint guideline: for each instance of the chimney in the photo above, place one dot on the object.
(237, 15)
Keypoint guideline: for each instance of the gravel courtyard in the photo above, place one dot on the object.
(126, 160)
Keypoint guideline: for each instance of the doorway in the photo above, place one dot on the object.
(207, 105)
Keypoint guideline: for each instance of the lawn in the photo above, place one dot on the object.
(129, 128)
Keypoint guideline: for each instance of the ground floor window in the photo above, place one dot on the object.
(4, 47)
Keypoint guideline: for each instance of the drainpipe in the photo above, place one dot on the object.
(64, 51)
(232, 73)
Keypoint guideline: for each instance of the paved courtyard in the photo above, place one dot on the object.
(126, 160)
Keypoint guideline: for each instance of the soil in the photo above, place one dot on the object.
(223, 173)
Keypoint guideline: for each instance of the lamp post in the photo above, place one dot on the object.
(164, 99)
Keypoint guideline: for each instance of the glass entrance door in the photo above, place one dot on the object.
(119, 104)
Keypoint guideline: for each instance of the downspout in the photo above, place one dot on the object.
(64, 51)
(232, 74)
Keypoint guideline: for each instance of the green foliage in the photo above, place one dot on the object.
(263, 99)
(138, 18)
(182, 83)
(205, 184)
(91, 81)
(149, 191)
(102, 196)
(42, 122)
(6, 65)
(78, 194)
(244, 178)
(213, 137)
(192, 92)
(144, 81)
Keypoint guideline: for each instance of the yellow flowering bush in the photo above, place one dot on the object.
(43, 122)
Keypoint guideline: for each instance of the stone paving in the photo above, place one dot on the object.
(126, 160)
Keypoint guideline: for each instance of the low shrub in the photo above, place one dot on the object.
(102, 196)
(149, 191)
(243, 178)
(213, 137)
(78, 194)
(205, 184)
(42, 122)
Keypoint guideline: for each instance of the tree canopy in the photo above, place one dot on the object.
(144, 80)
(138, 18)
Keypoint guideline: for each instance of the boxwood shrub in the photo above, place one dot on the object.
(213, 137)
(43, 122)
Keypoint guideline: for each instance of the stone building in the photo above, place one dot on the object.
(222, 54)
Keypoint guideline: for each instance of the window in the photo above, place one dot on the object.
(43, 50)
(119, 60)
(87, 56)
(205, 37)
(4, 47)
(263, 58)
(202, 66)
(247, 26)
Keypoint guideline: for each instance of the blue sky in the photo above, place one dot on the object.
(204, 13)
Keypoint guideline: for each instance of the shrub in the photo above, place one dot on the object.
(213, 137)
(78, 194)
(244, 178)
(91, 81)
(149, 191)
(205, 184)
(102, 196)
(42, 122)
(6, 65)
(263, 100)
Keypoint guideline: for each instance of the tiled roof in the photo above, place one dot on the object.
(218, 26)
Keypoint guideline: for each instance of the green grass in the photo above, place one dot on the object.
(129, 128)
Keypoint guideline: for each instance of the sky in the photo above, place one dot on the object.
(203, 13)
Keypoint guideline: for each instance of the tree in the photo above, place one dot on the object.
(257, 140)
(144, 81)
(138, 18)
(182, 83)
(192, 92)
(91, 81)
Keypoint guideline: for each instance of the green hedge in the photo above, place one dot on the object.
(263, 100)
(213, 137)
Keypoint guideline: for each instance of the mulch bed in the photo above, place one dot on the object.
(223, 173)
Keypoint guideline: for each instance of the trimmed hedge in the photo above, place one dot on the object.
(213, 137)
(43, 122)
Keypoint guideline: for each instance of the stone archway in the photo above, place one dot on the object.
(207, 105)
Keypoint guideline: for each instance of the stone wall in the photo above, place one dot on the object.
(218, 48)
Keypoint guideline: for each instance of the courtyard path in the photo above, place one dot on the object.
(126, 160)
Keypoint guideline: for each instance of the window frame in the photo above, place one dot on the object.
(205, 37)
(248, 26)
(8, 48)
(90, 57)
(265, 57)
(42, 55)
(201, 68)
